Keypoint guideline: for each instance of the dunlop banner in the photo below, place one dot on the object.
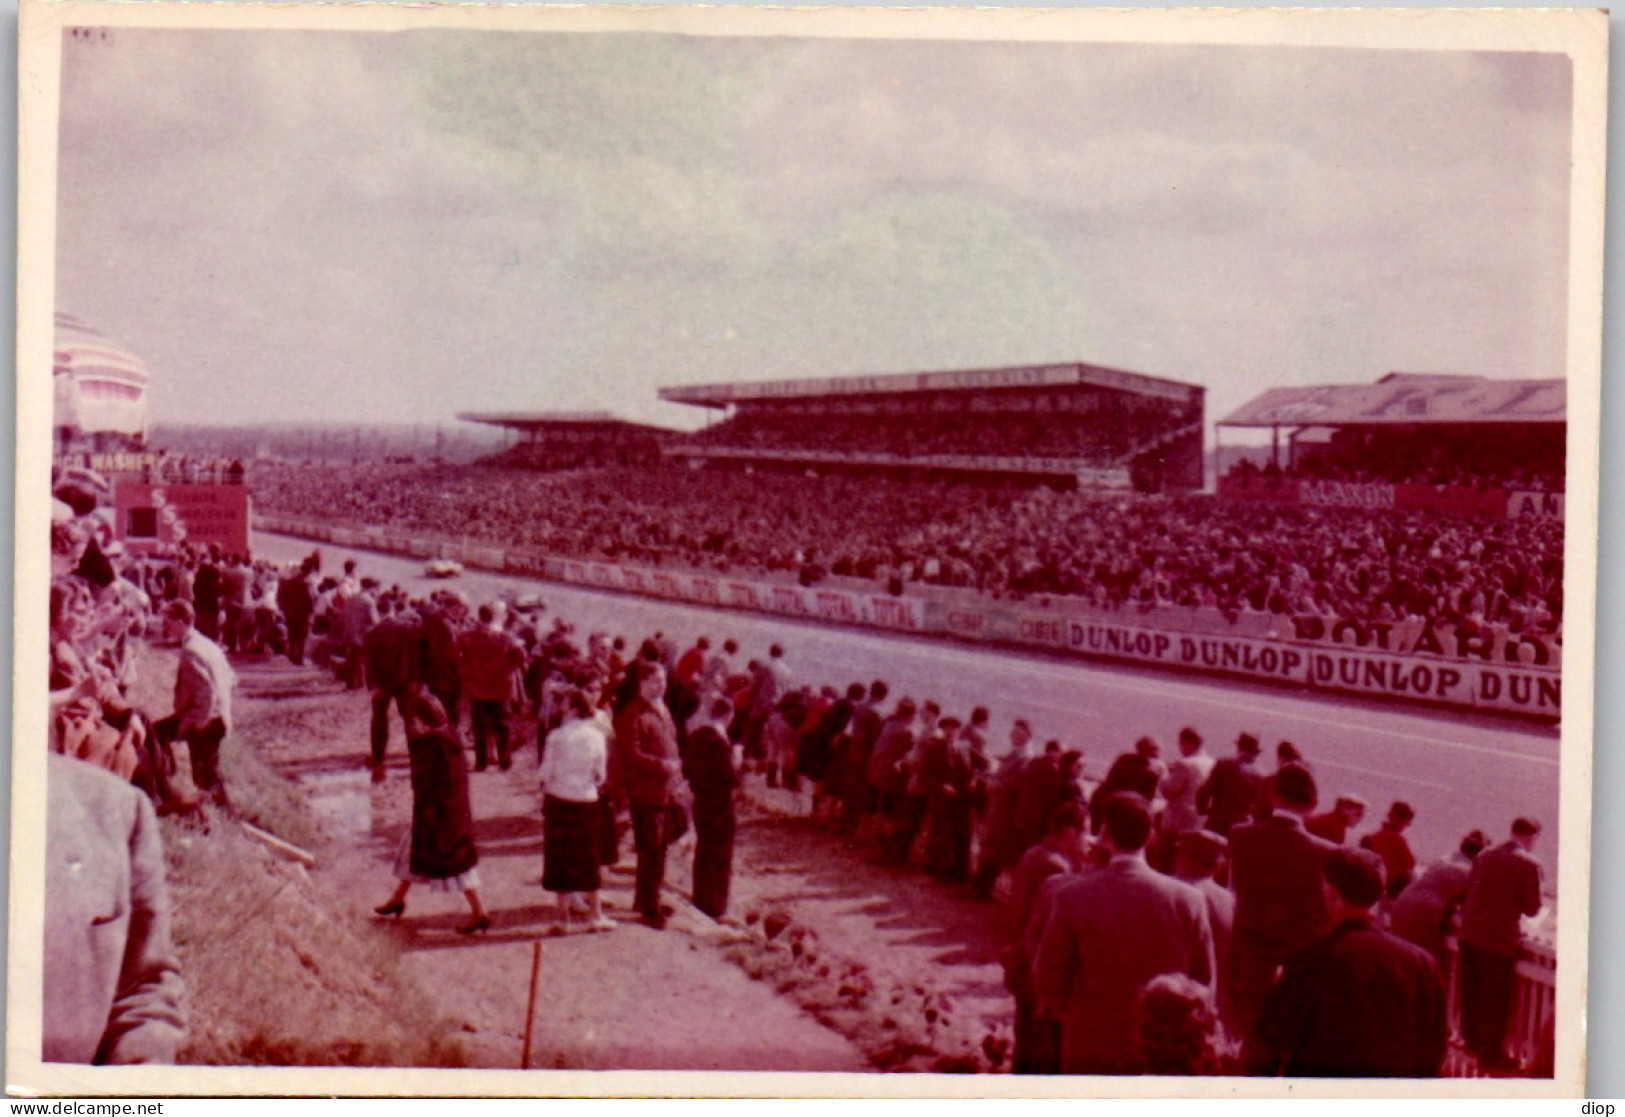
(1260, 659)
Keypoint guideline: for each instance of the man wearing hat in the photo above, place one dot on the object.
(1358, 1003)
(1231, 790)
(1275, 870)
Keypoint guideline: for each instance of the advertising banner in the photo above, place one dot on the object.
(1260, 659)
(1390, 675)
(1521, 691)
(149, 516)
(838, 606)
(1526, 505)
(885, 611)
(1416, 637)
(1454, 500)
(967, 622)
(705, 589)
(1041, 628)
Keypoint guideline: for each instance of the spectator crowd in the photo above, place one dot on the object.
(1231, 558)
(1111, 429)
(1178, 915)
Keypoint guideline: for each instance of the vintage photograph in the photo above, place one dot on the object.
(946, 552)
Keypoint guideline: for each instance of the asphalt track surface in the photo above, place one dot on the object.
(1459, 770)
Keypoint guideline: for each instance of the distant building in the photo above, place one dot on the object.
(1074, 425)
(100, 391)
(1463, 444)
(571, 439)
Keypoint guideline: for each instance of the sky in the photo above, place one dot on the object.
(368, 227)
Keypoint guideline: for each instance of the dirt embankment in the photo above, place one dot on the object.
(827, 962)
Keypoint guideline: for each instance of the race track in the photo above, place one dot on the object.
(1458, 770)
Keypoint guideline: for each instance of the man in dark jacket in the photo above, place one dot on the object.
(390, 652)
(708, 765)
(1504, 886)
(651, 769)
(206, 594)
(1231, 790)
(489, 660)
(1276, 869)
(1138, 772)
(437, 654)
(1360, 1002)
(857, 746)
(296, 599)
(887, 776)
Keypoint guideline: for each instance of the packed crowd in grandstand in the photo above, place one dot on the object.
(1109, 551)
(1081, 436)
(1215, 846)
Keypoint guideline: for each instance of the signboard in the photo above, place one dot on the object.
(1454, 500)
(151, 516)
(1526, 505)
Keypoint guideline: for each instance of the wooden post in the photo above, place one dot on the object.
(530, 1005)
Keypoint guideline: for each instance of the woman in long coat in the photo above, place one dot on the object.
(439, 850)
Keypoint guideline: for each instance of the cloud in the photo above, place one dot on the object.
(403, 226)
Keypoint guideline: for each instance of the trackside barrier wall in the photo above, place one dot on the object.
(1480, 680)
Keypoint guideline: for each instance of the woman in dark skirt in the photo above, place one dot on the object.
(574, 768)
(439, 849)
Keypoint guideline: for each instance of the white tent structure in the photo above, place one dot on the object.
(100, 390)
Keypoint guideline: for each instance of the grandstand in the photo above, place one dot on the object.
(570, 439)
(100, 391)
(1071, 425)
(1463, 444)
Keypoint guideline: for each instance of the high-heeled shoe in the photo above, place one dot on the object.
(482, 924)
(396, 908)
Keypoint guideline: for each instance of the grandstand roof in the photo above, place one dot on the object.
(1026, 376)
(1410, 400)
(558, 420)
